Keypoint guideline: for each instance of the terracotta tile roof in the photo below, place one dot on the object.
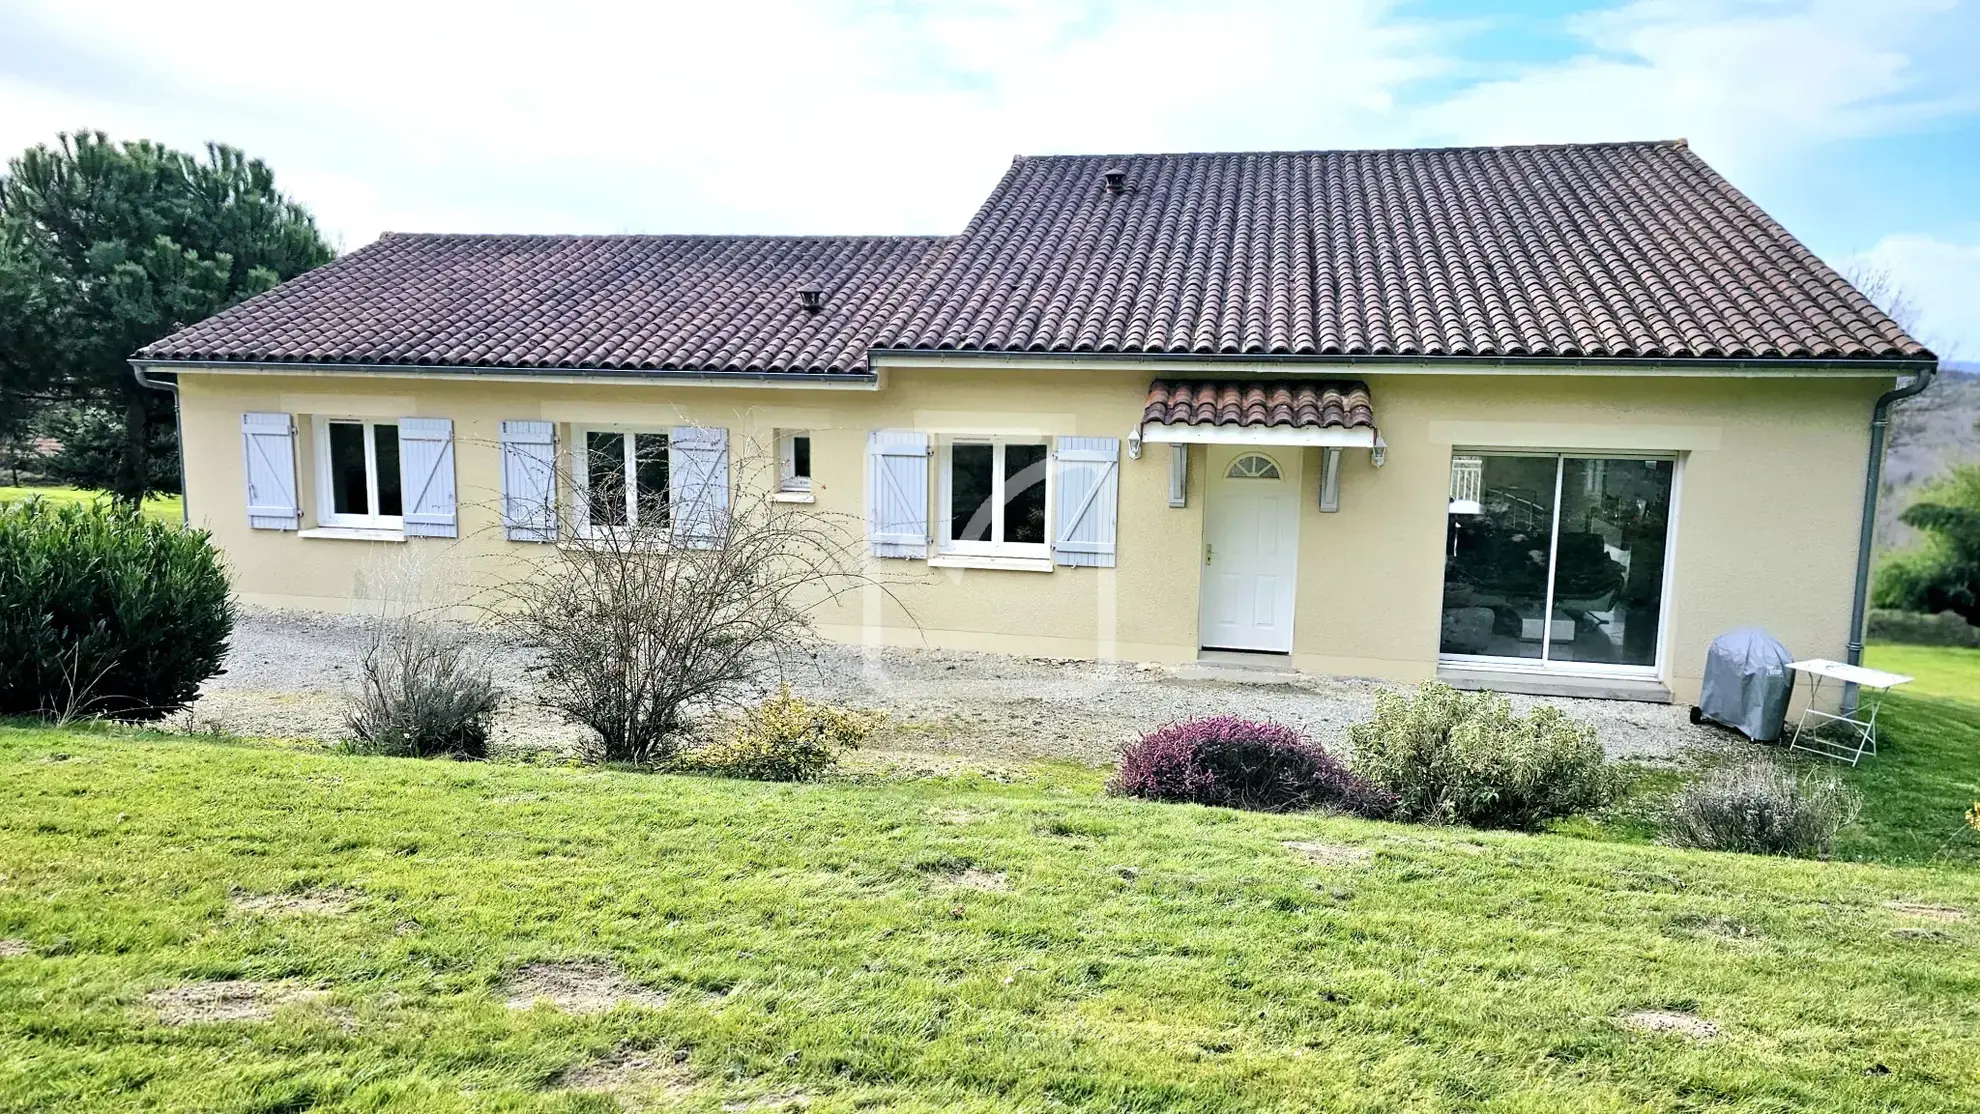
(1589, 250)
(1260, 402)
(1596, 250)
(627, 303)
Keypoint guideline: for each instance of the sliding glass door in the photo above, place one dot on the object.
(1556, 559)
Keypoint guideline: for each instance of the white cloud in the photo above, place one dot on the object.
(785, 115)
(1942, 281)
(1753, 86)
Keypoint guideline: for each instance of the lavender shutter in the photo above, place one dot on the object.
(529, 481)
(426, 476)
(1088, 500)
(897, 493)
(268, 445)
(698, 485)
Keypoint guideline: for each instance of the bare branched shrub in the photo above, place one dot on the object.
(425, 689)
(661, 600)
(1762, 808)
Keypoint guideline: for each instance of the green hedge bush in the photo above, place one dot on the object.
(106, 613)
(1455, 757)
(1947, 628)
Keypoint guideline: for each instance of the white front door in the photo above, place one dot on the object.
(1250, 548)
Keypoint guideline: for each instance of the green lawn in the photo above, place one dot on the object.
(824, 944)
(164, 508)
(1947, 671)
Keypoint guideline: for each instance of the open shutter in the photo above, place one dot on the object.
(529, 481)
(897, 493)
(269, 444)
(698, 485)
(426, 471)
(1089, 497)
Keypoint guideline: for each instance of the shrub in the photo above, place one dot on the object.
(424, 692)
(1241, 763)
(105, 613)
(1762, 808)
(785, 738)
(1467, 758)
(1947, 628)
(1943, 572)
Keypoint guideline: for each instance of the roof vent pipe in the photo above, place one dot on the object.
(811, 297)
(1115, 179)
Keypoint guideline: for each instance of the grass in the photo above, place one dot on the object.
(1951, 672)
(814, 945)
(164, 508)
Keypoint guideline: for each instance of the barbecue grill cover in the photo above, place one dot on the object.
(1748, 683)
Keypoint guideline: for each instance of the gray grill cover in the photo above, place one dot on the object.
(1748, 683)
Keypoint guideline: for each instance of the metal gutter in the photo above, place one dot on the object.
(178, 432)
(1589, 364)
(466, 371)
(1880, 421)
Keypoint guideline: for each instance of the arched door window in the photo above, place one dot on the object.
(1253, 466)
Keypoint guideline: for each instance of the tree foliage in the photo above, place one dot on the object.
(1942, 573)
(106, 247)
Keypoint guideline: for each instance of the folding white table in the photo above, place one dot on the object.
(1858, 728)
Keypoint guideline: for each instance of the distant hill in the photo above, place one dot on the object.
(1929, 434)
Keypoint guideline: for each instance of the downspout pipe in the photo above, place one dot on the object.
(1880, 423)
(178, 432)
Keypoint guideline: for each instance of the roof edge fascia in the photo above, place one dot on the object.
(1281, 364)
(807, 380)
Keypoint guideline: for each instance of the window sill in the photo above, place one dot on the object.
(793, 497)
(353, 534)
(984, 561)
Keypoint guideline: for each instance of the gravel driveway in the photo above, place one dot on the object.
(288, 675)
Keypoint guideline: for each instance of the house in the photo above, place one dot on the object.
(1538, 418)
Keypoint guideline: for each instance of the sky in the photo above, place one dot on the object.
(1857, 125)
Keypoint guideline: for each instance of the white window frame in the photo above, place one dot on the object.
(996, 546)
(1546, 664)
(326, 492)
(787, 478)
(581, 472)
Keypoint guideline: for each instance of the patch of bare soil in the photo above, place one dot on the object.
(1931, 935)
(578, 987)
(329, 901)
(633, 1074)
(197, 1003)
(958, 815)
(1944, 914)
(788, 1100)
(12, 948)
(1329, 854)
(1670, 1021)
(995, 881)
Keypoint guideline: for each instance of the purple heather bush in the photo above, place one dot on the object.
(1241, 763)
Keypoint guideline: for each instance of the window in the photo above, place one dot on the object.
(624, 476)
(794, 461)
(1557, 559)
(357, 470)
(1253, 466)
(995, 497)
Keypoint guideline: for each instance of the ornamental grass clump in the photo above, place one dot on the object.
(1239, 763)
(785, 738)
(1762, 808)
(1467, 758)
(425, 692)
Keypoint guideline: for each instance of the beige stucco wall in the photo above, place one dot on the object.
(1770, 484)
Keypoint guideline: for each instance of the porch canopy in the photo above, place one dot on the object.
(1259, 412)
